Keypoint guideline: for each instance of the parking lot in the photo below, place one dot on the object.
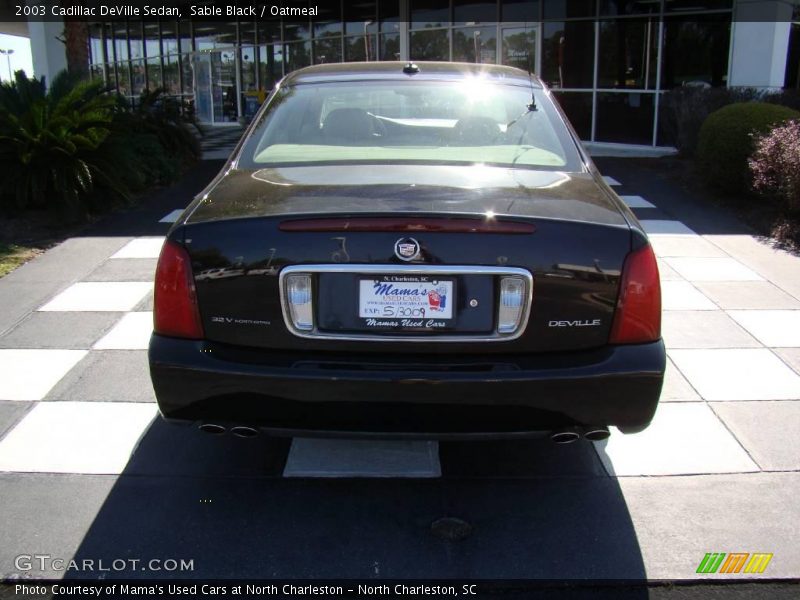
(88, 470)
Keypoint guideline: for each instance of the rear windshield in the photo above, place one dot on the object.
(467, 122)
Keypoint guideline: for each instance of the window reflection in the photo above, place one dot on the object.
(695, 53)
(431, 44)
(475, 44)
(627, 54)
(567, 54)
(519, 48)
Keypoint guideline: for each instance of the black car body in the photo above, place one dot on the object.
(526, 295)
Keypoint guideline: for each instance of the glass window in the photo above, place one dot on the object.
(111, 76)
(185, 29)
(568, 9)
(519, 48)
(96, 43)
(209, 35)
(247, 33)
(468, 12)
(297, 55)
(430, 13)
(124, 78)
(188, 74)
(389, 48)
(270, 64)
(120, 42)
(359, 48)
(248, 65)
(519, 10)
(135, 38)
(578, 108)
(475, 44)
(431, 44)
(695, 52)
(154, 73)
(625, 118)
(628, 54)
(169, 37)
(696, 5)
(568, 54)
(108, 29)
(388, 11)
(296, 31)
(465, 122)
(359, 16)
(269, 31)
(138, 77)
(628, 7)
(151, 42)
(172, 81)
(328, 50)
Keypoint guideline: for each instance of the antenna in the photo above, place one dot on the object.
(532, 106)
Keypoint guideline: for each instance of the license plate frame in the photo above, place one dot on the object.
(406, 303)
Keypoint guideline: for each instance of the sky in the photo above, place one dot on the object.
(21, 59)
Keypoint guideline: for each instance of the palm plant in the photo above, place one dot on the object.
(50, 142)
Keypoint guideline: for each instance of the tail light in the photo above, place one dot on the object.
(638, 315)
(175, 308)
(298, 295)
(512, 303)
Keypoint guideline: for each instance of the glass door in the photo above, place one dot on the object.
(520, 47)
(216, 87)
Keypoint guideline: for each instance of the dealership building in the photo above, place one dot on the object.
(607, 61)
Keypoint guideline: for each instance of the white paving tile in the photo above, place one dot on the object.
(676, 388)
(100, 296)
(144, 247)
(30, 374)
(171, 217)
(362, 458)
(682, 295)
(610, 180)
(703, 329)
(737, 374)
(774, 328)
(662, 226)
(683, 439)
(712, 269)
(131, 333)
(75, 437)
(741, 295)
(637, 202)
(667, 273)
(668, 245)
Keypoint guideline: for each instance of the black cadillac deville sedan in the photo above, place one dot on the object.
(408, 250)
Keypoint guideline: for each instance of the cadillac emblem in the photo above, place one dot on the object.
(406, 249)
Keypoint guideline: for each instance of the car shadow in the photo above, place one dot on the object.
(537, 511)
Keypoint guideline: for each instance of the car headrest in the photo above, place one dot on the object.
(348, 125)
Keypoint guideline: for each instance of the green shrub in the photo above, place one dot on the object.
(726, 141)
(49, 141)
(75, 147)
(683, 110)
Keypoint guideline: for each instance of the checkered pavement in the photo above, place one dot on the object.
(75, 369)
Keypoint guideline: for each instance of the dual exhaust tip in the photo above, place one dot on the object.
(592, 434)
(241, 431)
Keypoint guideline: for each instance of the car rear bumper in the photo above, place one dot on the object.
(406, 396)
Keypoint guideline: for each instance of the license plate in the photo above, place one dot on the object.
(408, 302)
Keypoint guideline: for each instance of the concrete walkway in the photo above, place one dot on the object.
(88, 471)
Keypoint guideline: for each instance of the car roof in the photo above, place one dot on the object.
(396, 71)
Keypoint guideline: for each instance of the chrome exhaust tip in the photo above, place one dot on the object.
(565, 436)
(212, 428)
(596, 434)
(244, 432)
